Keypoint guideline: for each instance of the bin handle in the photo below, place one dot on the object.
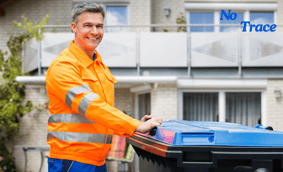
(264, 127)
(152, 132)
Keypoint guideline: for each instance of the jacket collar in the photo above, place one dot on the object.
(82, 56)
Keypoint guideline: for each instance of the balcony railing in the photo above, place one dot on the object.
(136, 48)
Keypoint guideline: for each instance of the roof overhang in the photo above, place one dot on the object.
(123, 81)
(132, 81)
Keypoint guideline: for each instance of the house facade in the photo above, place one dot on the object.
(201, 73)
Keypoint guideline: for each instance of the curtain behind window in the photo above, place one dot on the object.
(200, 106)
(243, 108)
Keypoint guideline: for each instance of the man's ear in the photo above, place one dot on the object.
(74, 27)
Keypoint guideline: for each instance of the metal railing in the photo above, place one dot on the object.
(137, 29)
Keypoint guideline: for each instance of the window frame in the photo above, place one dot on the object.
(104, 5)
(217, 14)
(274, 17)
(187, 14)
(222, 101)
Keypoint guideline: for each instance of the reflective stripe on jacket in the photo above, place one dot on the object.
(81, 103)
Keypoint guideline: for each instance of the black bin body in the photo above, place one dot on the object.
(195, 146)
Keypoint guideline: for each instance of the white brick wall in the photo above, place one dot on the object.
(177, 8)
(280, 15)
(164, 101)
(125, 101)
(140, 11)
(34, 10)
(274, 106)
(34, 124)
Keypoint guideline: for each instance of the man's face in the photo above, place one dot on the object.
(88, 30)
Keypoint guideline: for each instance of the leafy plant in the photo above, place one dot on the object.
(181, 20)
(12, 92)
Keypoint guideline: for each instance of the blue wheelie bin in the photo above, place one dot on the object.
(184, 146)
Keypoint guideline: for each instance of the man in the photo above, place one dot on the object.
(81, 100)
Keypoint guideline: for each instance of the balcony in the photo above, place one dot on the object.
(185, 54)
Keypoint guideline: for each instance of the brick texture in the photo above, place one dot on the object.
(177, 8)
(164, 101)
(140, 12)
(280, 16)
(58, 10)
(274, 106)
(34, 126)
(125, 101)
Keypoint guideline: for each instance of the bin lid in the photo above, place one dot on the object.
(205, 133)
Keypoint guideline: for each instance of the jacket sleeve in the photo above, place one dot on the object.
(64, 80)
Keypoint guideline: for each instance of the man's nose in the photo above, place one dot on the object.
(94, 30)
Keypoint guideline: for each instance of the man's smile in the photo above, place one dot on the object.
(92, 39)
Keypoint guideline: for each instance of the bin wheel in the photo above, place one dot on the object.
(262, 170)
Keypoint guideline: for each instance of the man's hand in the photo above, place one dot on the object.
(146, 117)
(150, 123)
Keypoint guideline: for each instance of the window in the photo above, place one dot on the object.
(238, 107)
(201, 18)
(200, 106)
(237, 21)
(262, 17)
(116, 15)
(243, 108)
(210, 13)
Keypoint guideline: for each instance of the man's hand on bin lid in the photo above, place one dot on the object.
(146, 117)
(149, 123)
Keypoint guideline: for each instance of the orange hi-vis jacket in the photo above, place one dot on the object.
(81, 103)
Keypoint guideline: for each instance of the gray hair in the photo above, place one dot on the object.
(86, 7)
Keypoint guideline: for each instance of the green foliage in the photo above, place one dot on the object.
(40, 107)
(12, 92)
(54, 29)
(35, 31)
(7, 162)
(181, 20)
